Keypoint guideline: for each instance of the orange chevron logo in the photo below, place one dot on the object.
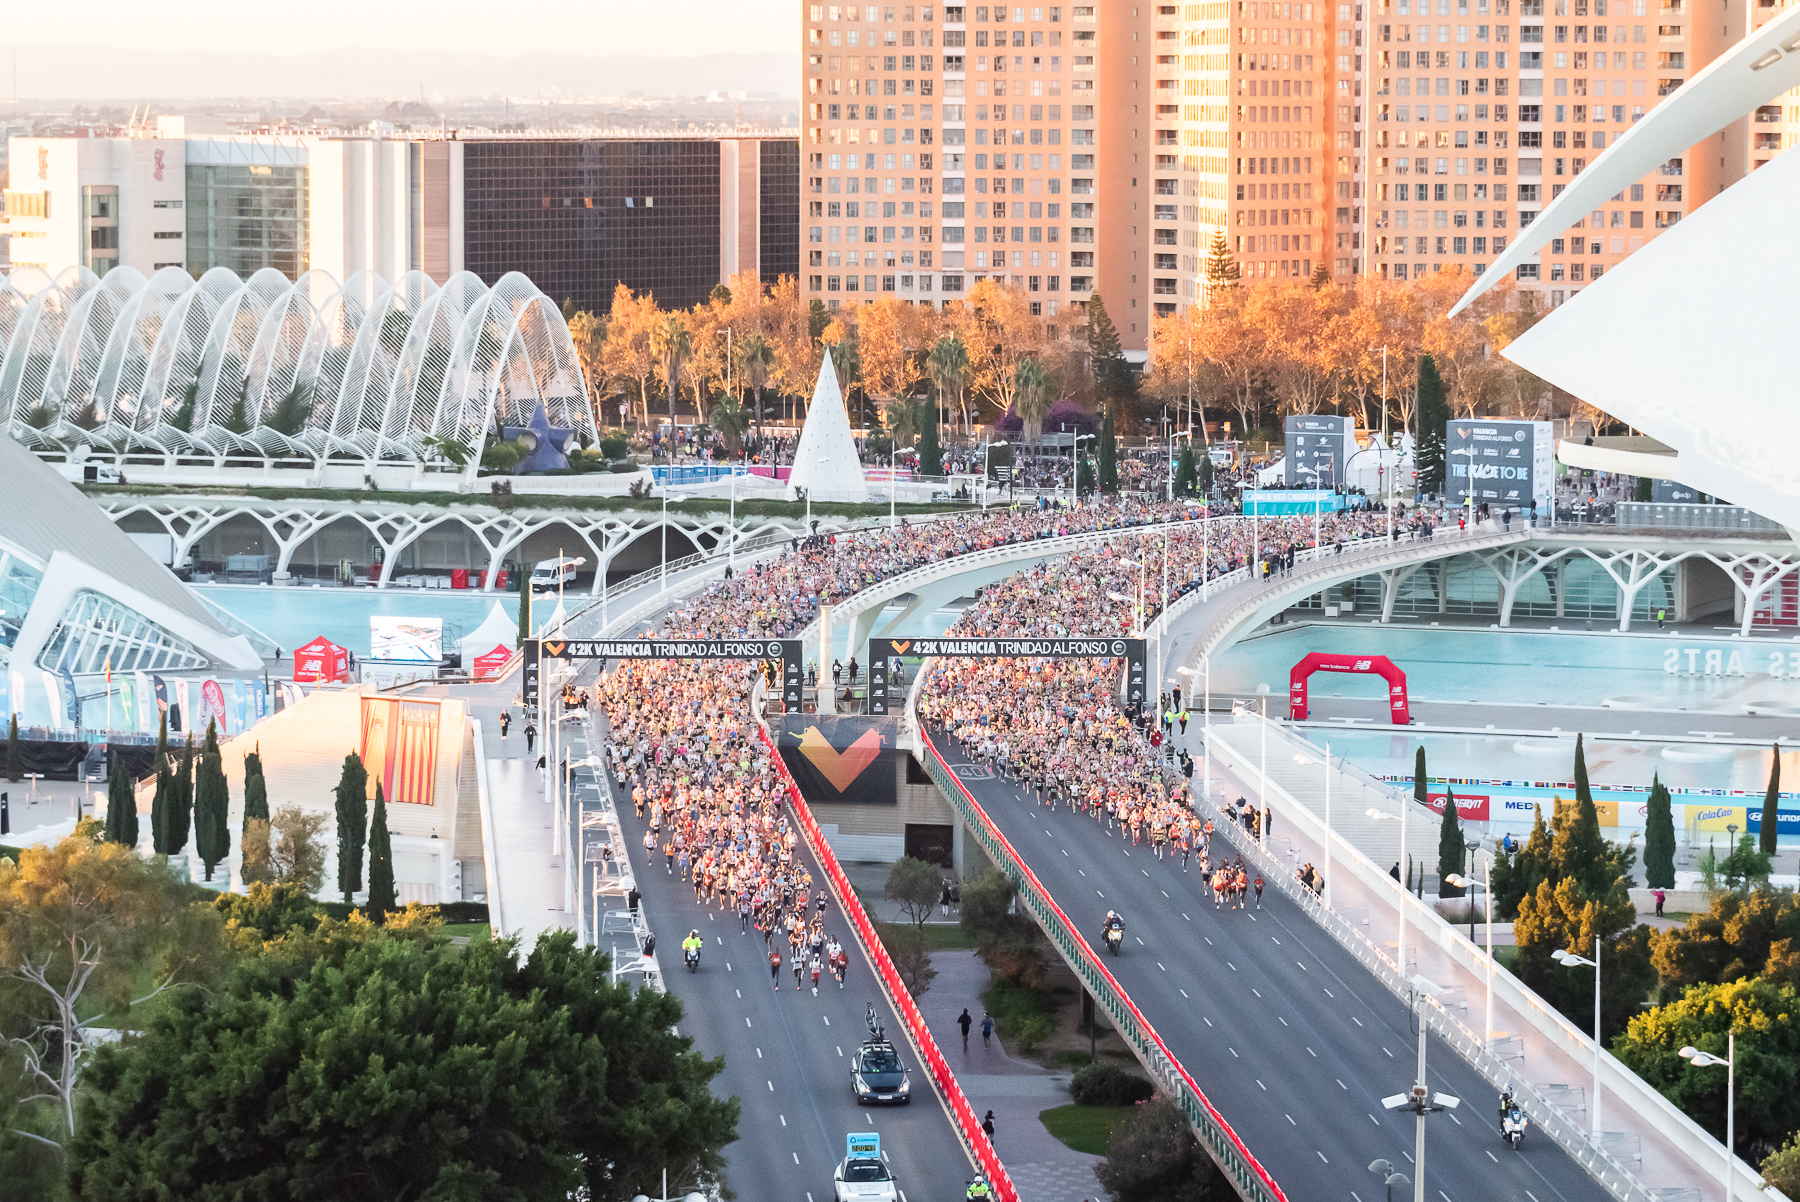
(554, 649)
(901, 646)
(841, 768)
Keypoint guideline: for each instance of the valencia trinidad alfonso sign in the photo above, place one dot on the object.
(788, 651)
(883, 653)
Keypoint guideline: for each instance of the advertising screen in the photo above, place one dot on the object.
(1318, 446)
(1509, 464)
(406, 640)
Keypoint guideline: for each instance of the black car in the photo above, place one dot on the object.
(877, 1076)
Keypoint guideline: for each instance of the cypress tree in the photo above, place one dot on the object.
(381, 862)
(1206, 475)
(121, 806)
(1434, 412)
(256, 789)
(1659, 838)
(181, 801)
(931, 453)
(524, 610)
(1109, 455)
(1084, 476)
(160, 805)
(212, 805)
(1577, 848)
(352, 823)
(1421, 791)
(1451, 851)
(15, 758)
(1771, 804)
(1184, 472)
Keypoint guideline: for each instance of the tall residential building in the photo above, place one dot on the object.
(671, 213)
(1075, 148)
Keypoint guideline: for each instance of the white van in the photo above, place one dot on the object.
(552, 573)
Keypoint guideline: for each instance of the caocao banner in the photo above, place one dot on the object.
(841, 759)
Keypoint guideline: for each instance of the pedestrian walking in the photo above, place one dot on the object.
(530, 737)
(987, 1029)
(965, 1022)
(1659, 894)
(505, 722)
(987, 1124)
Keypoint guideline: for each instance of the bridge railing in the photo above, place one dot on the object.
(1487, 1060)
(964, 1119)
(1253, 1181)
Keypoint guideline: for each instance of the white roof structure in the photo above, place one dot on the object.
(1691, 357)
(825, 463)
(273, 368)
(496, 630)
(76, 590)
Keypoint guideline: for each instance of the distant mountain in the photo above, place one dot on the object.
(114, 73)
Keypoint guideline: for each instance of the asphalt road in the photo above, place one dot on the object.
(1288, 1035)
(787, 1053)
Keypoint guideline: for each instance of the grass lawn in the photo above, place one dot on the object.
(1083, 1128)
(474, 930)
(946, 937)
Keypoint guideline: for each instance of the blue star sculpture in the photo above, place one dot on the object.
(547, 443)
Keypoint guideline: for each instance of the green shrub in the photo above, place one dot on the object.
(625, 465)
(1105, 1083)
(1031, 1031)
(615, 446)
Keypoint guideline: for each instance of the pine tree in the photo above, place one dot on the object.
(1320, 277)
(212, 805)
(1109, 455)
(181, 801)
(352, 823)
(1084, 476)
(256, 788)
(1451, 852)
(1659, 838)
(1771, 804)
(381, 862)
(15, 758)
(1206, 475)
(1184, 472)
(1221, 268)
(931, 454)
(1577, 849)
(1114, 379)
(121, 805)
(1434, 413)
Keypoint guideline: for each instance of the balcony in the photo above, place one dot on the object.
(1666, 87)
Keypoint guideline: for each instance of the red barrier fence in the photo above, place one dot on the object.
(1236, 1157)
(945, 1079)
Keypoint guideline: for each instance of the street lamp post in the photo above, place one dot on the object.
(1400, 937)
(1420, 1100)
(1487, 883)
(1698, 1059)
(1325, 896)
(1571, 960)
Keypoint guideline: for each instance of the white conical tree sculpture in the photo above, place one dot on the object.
(826, 464)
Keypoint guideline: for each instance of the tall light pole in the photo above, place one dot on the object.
(1487, 883)
(1420, 1100)
(1400, 937)
(1326, 764)
(1571, 960)
(1389, 498)
(1698, 1059)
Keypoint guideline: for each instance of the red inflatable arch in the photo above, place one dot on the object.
(1320, 661)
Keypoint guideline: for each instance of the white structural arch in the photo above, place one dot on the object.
(276, 369)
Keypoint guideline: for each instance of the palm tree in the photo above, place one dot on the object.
(1032, 397)
(756, 359)
(671, 343)
(906, 417)
(948, 367)
(730, 419)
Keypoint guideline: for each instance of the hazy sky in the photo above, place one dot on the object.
(465, 26)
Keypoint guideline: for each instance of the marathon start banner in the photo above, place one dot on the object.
(838, 759)
(883, 652)
(789, 651)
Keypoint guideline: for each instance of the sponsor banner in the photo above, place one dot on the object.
(1787, 822)
(1717, 818)
(399, 747)
(840, 759)
(1470, 809)
(214, 708)
(1503, 463)
(406, 640)
(881, 651)
(1318, 445)
(670, 648)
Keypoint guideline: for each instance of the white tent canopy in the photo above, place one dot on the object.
(825, 463)
(496, 630)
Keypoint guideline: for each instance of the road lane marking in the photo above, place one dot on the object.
(1260, 1085)
(1165, 893)
(1374, 1120)
(1302, 966)
(1082, 873)
(746, 1020)
(796, 1157)
(1290, 1119)
(1455, 1120)
(718, 941)
(771, 1086)
(1183, 993)
(1140, 940)
(1184, 915)
(1492, 1157)
(1234, 1054)
(1277, 941)
(759, 1054)
(1330, 994)
(783, 1119)
(1065, 851)
(739, 992)
(1390, 1055)
(1127, 852)
(1356, 1020)
(1208, 938)
(1233, 966)
(1256, 991)
(1159, 964)
(1312, 1053)
(1206, 1020)
(840, 1049)
(1281, 1020)
(1101, 894)
(1146, 872)
(827, 1019)
(1320, 1155)
(1340, 1082)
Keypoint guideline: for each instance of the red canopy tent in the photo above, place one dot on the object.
(321, 662)
(489, 663)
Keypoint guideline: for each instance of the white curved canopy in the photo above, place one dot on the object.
(273, 367)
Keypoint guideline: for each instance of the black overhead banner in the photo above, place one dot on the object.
(788, 651)
(882, 653)
(841, 759)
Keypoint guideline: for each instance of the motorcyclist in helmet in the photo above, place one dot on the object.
(979, 1188)
(693, 943)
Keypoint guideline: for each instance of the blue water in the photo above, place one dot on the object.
(294, 617)
(1527, 667)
